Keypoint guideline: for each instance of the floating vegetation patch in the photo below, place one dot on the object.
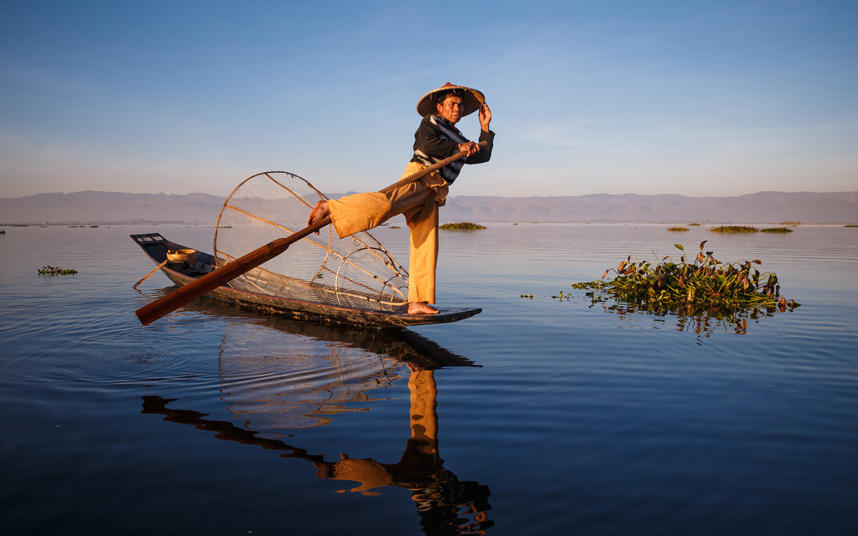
(527, 296)
(851, 225)
(776, 230)
(734, 229)
(694, 224)
(2, 231)
(56, 270)
(790, 222)
(462, 226)
(696, 291)
(677, 229)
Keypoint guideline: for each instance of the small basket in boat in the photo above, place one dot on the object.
(181, 255)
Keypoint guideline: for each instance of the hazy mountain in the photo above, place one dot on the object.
(762, 207)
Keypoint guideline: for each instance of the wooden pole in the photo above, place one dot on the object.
(145, 277)
(179, 297)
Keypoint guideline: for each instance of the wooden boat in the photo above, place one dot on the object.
(183, 265)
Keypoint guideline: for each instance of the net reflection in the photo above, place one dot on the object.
(445, 504)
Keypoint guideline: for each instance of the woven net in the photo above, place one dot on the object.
(355, 272)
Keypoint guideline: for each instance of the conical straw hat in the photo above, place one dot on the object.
(471, 98)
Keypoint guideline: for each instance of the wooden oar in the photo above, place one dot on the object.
(182, 295)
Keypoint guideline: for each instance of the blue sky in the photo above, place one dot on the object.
(694, 98)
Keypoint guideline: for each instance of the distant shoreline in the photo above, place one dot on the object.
(706, 226)
(105, 208)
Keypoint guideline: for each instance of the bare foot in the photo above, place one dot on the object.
(421, 308)
(319, 212)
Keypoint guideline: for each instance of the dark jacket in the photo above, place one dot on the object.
(436, 139)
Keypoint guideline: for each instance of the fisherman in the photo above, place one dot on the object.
(436, 138)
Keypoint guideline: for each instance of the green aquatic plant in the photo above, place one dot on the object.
(462, 226)
(677, 229)
(704, 284)
(56, 270)
(734, 229)
(776, 230)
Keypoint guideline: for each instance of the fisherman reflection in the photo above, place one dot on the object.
(445, 504)
(437, 491)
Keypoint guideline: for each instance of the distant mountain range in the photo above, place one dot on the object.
(763, 207)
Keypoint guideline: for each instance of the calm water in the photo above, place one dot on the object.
(537, 416)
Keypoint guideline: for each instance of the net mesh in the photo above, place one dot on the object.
(356, 272)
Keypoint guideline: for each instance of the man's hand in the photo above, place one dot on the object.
(470, 147)
(485, 117)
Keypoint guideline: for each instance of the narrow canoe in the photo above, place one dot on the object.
(189, 264)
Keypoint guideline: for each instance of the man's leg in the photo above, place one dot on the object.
(419, 202)
(361, 212)
(422, 220)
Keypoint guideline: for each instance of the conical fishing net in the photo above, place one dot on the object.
(355, 272)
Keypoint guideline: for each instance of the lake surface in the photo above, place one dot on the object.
(537, 416)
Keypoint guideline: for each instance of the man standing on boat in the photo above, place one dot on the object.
(436, 138)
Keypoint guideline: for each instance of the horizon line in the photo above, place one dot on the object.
(468, 195)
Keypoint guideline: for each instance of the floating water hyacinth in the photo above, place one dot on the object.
(704, 286)
(462, 226)
(56, 270)
(734, 229)
(776, 230)
(677, 229)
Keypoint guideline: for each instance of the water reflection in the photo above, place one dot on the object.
(701, 321)
(327, 371)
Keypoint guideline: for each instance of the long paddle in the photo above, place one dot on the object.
(182, 295)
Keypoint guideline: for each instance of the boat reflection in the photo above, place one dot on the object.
(445, 504)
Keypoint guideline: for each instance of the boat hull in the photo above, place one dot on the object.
(156, 247)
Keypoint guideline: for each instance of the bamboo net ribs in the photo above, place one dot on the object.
(356, 272)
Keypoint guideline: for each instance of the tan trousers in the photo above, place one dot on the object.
(419, 203)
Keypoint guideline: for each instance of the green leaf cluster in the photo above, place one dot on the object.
(698, 283)
(56, 270)
(734, 229)
(462, 226)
